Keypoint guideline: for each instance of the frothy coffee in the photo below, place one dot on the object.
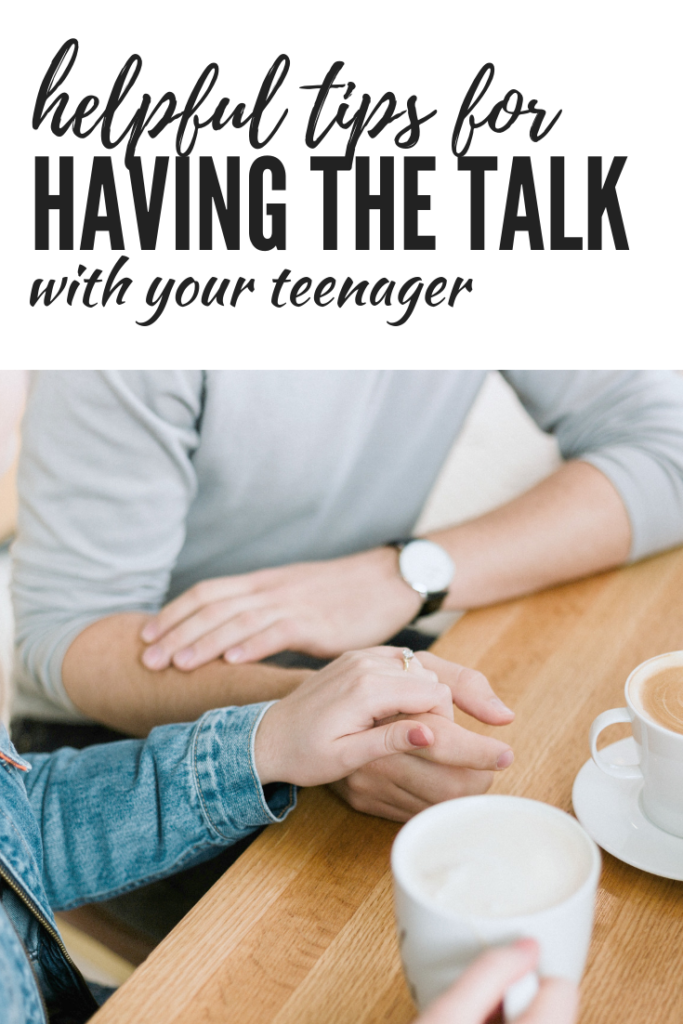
(500, 863)
(659, 697)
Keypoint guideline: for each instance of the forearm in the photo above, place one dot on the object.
(117, 815)
(104, 676)
(572, 524)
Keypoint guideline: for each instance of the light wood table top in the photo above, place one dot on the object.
(300, 930)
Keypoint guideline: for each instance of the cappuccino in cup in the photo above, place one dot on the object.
(659, 697)
(509, 864)
(654, 699)
(484, 871)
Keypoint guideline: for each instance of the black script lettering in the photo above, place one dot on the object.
(301, 288)
(147, 117)
(435, 288)
(460, 286)
(209, 296)
(159, 294)
(271, 84)
(49, 293)
(362, 119)
(323, 289)
(188, 284)
(111, 287)
(408, 295)
(359, 293)
(280, 281)
(61, 65)
(159, 300)
(502, 115)
(382, 292)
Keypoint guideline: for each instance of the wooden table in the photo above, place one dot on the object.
(300, 930)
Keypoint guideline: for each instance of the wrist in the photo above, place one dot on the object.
(268, 747)
(399, 596)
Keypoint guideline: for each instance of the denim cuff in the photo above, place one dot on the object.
(230, 790)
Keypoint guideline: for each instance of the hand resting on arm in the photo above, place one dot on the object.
(570, 525)
(104, 676)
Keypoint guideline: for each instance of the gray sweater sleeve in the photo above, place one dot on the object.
(115, 549)
(627, 424)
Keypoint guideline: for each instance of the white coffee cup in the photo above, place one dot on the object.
(660, 750)
(439, 939)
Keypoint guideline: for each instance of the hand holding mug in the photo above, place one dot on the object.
(480, 872)
(481, 990)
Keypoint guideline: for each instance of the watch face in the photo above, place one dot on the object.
(426, 566)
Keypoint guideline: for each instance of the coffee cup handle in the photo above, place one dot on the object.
(619, 771)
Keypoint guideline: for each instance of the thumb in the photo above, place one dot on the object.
(396, 738)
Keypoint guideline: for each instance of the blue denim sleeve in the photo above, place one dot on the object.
(119, 815)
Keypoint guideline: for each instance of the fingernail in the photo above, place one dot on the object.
(234, 656)
(153, 657)
(505, 760)
(525, 945)
(149, 633)
(183, 659)
(497, 702)
(418, 738)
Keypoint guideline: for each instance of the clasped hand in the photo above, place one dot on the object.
(363, 708)
(325, 608)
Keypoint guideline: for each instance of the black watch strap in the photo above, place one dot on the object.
(432, 601)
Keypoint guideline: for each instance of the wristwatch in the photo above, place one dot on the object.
(427, 568)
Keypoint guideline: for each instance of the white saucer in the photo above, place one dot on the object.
(609, 810)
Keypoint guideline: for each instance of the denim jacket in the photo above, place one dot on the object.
(81, 826)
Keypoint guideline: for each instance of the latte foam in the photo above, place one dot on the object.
(500, 863)
(659, 696)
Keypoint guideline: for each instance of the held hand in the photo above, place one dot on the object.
(328, 727)
(458, 762)
(365, 708)
(318, 608)
(474, 998)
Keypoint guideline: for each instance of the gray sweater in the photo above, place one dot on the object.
(135, 485)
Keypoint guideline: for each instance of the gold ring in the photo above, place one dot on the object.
(407, 656)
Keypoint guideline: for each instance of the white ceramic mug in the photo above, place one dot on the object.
(438, 944)
(660, 750)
